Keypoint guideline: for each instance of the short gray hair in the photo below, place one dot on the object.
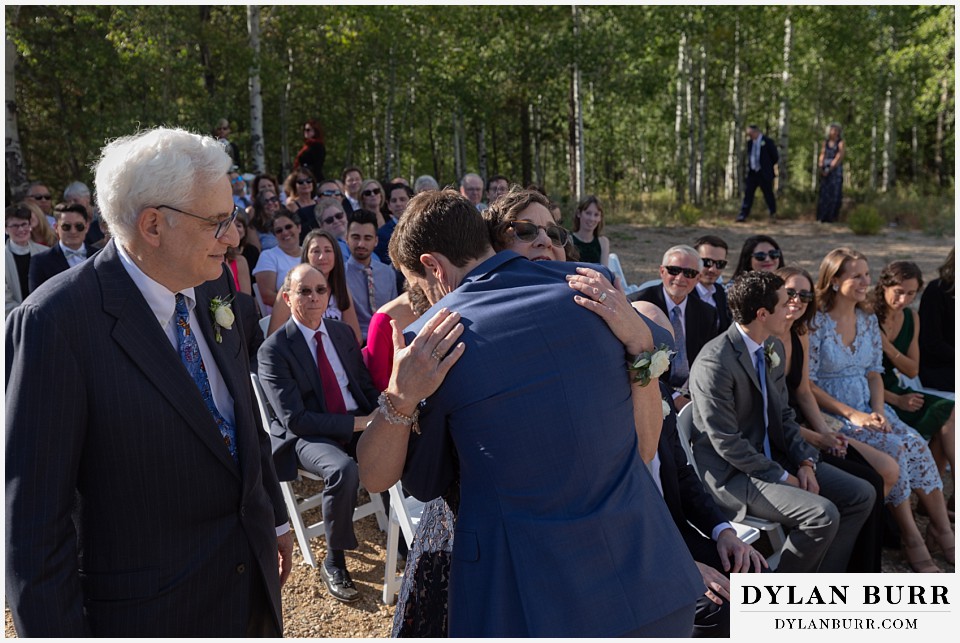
(425, 182)
(154, 167)
(683, 250)
(75, 190)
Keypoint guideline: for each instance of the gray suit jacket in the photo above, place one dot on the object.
(14, 296)
(728, 413)
(126, 515)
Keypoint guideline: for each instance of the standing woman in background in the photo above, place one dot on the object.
(314, 150)
(587, 228)
(831, 175)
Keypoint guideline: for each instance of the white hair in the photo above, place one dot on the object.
(154, 167)
(424, 183)
(74, 190)
(683, 250)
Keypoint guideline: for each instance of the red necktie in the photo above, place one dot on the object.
(328, 379)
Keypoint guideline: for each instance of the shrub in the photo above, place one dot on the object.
(865, 220)
(688, 214)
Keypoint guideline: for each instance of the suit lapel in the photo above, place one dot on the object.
(743, 355)
(141, 337)
(304, 356)
(61, 258)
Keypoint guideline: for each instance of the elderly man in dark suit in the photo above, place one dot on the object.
(314, 377)
(762, 158)
(73, 223)
(694, 322)
(141, 499)
(749, 446)
(560, 530)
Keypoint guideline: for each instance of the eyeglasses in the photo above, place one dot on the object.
(689, 273)
(281, 230)
(18, 226)
(762, 256)
(331, 193)
(304, 181)
(319, 290)
(333, 217)
(39, 197)
(528, 231)
(221, 225)
(371, 192)
(719, 263)
(804, 295)
(79, 227)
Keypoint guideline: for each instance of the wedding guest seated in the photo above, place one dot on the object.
(694, 322)
(72, 223)
(749, 446)
(713, 253)
(260, 229)
(274, 264)
(938, 359)
(371, 283)
(330, 190)
(372, 199)
(425, 182)
(332, 218)
(321, 411)
(397, 197)
(588, 232)
(39, 194)
(20, 250)
(845, 374)
(759, 252)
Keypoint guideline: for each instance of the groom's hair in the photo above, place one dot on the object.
(750, 292)
(440, 221)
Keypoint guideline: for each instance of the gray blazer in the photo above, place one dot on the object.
(14, 297)
(728, 414)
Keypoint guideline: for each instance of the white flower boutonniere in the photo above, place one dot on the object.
(773, 360)
(650, 365)
(222, 316)
(665, 407)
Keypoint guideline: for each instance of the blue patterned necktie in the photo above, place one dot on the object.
(762, 376)
(190, 356)
(679, 369)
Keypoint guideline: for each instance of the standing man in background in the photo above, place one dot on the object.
(762, 157)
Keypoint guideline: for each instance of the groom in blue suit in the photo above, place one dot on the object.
(560, 530)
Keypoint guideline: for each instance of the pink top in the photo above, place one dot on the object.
(378, 353)
(236, 274)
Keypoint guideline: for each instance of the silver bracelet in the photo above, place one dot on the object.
(393, 416)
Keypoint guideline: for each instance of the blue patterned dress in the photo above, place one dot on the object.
(831, 186)
(841, 372)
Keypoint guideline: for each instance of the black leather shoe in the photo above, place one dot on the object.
(741, 218)
(339, 584)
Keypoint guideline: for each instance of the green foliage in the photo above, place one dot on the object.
(865, 220)
(688, 215)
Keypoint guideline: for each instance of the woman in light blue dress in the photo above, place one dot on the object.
(845, 372)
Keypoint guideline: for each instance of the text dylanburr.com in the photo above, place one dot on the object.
(855, 606)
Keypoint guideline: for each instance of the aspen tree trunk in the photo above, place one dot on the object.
(873, 152)
(678, 121)
(525, 170)
(702, 126)
(16, 170)
(688, 107)
(817, 127)
(537, 142)
(256, 97)
(941, 120)
(482, 149)
(577, 173)
(914, 143)
(389, 151)
(732, 184)
(285, 164)
(457, 156)
(784, 179)
(889, 140)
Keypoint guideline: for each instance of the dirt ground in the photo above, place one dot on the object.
(308, 609)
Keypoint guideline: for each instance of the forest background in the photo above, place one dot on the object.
(643, 105)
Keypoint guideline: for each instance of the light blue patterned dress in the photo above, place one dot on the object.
(841, 372)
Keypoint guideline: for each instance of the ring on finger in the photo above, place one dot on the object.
(603, 297)
(436, 355)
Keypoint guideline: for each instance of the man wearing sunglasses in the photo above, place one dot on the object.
(73, 222)
(694, 322)
(713, 253)
(141, 496)
(40, 195)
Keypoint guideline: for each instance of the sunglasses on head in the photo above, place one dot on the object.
(331, 193)
(371, 192)
(304, 181)
(689, 273)
(804, 295)
(283, 229)
(719, 263)
(306, 292)
(762, 256)
(79, 227)
(528, 231)
(333, 217)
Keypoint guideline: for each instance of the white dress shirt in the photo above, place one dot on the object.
(331, 352)
(73, 260)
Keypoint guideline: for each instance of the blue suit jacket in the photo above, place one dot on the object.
(126, 515)
(561, 531)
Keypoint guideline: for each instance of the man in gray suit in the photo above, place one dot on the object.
(141, 497)
(749, 446)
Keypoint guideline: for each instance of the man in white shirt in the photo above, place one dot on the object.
(73, 223)
(713, 254)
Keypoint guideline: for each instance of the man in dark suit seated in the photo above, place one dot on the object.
(694, 322)
(73, 222)
(313, 375)
(749, 446)
(713, 253)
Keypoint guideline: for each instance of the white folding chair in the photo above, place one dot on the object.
(751, 526)
(917, 385)
(264, 324)
(617, 269)
(404, 517)
(297, 506)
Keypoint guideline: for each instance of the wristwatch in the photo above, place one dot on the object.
(809, 463)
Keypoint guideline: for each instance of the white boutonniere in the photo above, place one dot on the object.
(650, 365)
(773, 360)
(222, 316)
(665, 407)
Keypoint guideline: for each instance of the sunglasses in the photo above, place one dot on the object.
(273, 199)
(719, 263)
(762, 256)
(281, 230)
(39, 197)
(237, 180)
(319, 290)
(331, 193)
(79, 227)
(333, 217)
(689, 273)
(220, 226)
(304, 181)
(805, 296)
(371, 192)
(528, 231)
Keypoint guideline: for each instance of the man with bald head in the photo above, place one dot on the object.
(323, 396)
